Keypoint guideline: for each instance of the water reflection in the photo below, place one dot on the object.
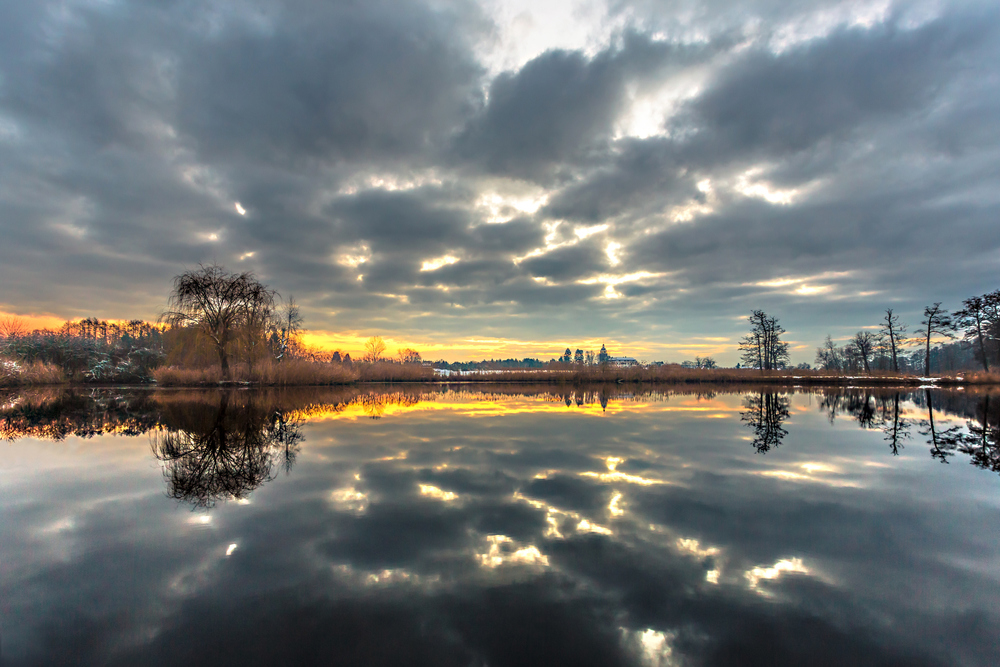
(201, 435)
(500, 526)
(225, 449)
(765, 413)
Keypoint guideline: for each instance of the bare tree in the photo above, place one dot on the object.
(215, 302)
(258, 311)
(374, 349)
(763, 348)
(895, 335)
(864, 342)
(829, 357)
(287, 327)
(975, 320)
(409, 356)
(936, 321)
(12, 326)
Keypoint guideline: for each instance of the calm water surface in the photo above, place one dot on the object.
(510, 526)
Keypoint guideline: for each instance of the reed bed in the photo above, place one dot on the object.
(293, 372)
(676, 374)
(305, 373)
(385, 372)
(18, 374)
(970, 378)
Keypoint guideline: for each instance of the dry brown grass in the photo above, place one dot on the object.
(385, 372)
(17, 374)
(300, 372)
(294, 372)
(676, 374)
(971, 377)
(305, 373)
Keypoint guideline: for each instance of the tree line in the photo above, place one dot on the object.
(969, 338)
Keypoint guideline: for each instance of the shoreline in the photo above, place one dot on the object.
(564, 378)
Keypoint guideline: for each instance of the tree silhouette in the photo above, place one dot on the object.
(218, 304)
(943, 443)
(763, 348)
(895, 333)
(765, 412)
(225, 451)
(897, 429)
(936, 321)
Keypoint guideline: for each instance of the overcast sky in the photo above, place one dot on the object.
(506, 178)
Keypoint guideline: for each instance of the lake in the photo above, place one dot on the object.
(497, 525)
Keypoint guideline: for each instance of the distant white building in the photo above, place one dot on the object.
(623, 362)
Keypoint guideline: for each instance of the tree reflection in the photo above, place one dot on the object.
(896, 429)
(54, 413)
(943, 442)
(982, 442)
(765, 412)
(224, 451)
(374, 404)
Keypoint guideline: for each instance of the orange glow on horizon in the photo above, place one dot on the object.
(36, 321)
(472, 348)
(476, 405)
(485, 347)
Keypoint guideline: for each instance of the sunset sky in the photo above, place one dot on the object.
(482, 179)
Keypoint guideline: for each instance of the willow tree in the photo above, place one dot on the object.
(219, 304)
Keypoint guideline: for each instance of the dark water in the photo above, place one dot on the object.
(512, 527)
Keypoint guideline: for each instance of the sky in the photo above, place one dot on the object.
(501, 179)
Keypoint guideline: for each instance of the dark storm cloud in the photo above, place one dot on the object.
(642, 178)
(560, 108)
(393, 221)
(567, 262)
(327, 81)
(128, 132)
(785, 103)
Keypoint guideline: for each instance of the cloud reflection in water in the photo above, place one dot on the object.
(498, 528)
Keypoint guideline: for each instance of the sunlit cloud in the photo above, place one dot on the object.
(693, 547)
(500, 208)
(586, 526)
(436, 493)
(614, 507)
(612, 252)
(435, 264)
(349, 499)
(749, 185)
(614, 475)
(355, 257)
(610, 281)
(584, 232)
(240, 209)
(782, 567)
(503, 550)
